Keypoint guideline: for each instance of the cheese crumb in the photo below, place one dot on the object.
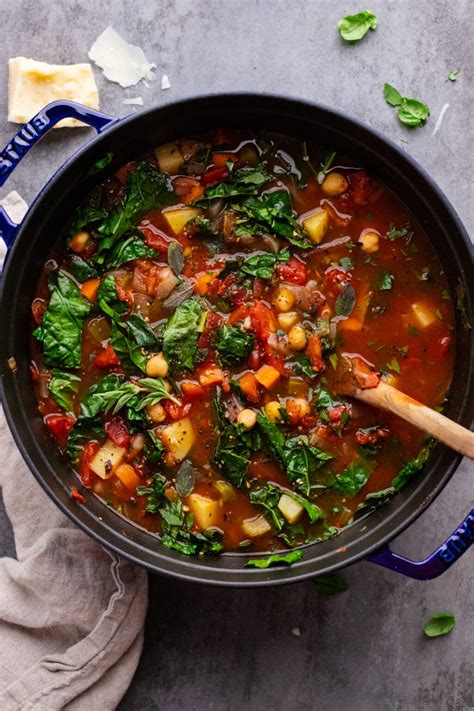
(165, 82)
(296, 632)
(32, 85)
(123, 63)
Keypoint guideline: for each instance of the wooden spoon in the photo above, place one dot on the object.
(355, 376)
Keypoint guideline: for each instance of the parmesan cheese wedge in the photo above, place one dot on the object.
(121, 62)
(33, 84)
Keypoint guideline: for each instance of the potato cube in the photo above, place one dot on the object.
(290, 508)
(268, 376)
(178, 438)
(206, 511)
(178, 219)
(107, 459)
(169, 158)
(316, 225)
(424, 315)
(256, 526)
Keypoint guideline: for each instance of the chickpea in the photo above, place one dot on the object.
(297, 338)
(369, 241)
(287, 320)
(157, 366)
(272, 411)
(285, 299)
(156, 413)
(79, 242)
(247, 417)
(334, 184)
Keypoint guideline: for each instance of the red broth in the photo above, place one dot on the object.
(288, 260)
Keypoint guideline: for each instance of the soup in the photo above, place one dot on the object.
(188, 330)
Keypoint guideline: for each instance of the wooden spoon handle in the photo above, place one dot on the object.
(386, 397)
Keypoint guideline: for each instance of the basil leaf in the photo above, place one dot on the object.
(60, 331)
(131, 248)
(386, 281)
(232, 344)
(146, 189)
(391, 95)
(412, 467)
(176, 257)
(275, 559)
(185, 478)
(350, 481)
(346, 301)
(453, 75)
(181, 335)
(353, 28)
(330, 584)
(63, 387)
(413, 112)
(439, 624)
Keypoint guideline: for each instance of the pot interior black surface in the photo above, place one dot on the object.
(41, 229)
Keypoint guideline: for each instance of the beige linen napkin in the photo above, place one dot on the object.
(71, 614)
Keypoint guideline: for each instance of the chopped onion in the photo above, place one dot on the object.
(215, 208)
(136, 446)
(271, 243)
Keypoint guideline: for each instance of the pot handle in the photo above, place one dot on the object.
(32, 132)
(436, 563)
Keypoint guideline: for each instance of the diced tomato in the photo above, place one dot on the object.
(314, 352)
(123, 294)
(336, 279)
(263, 320)
(238, 314)
(212, 322)
(122, 173)
(294, 272)
(214, 176)
(363, 373)
(154, 237)
(361, 188)
(175, 411)
(345, 204)
(275, 359)
(76, 494)
(38, 307)
(371, 435)
(117, 431)
(192, 390)
(220, 160)
(60, 426)
(88, 454)
(258, 287)
(335, 413)
(106, 358)
(309, 421)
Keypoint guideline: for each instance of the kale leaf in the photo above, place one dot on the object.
(60, 331)
(85, 216)
(154, 493)
(350, 481)
(130, 353)
(108, 300)
(81, 269)
(257, 265)
(181, 335)
(234, 446)
(176, 531)
(412, 467)
(132, 247)
(275, 559)
(244, 181)
(275, 211)
(232, 344)
(83, 430)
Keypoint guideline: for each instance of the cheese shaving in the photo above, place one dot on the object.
(440, 119)
(165, 82)
(136, 101)
(123, 63)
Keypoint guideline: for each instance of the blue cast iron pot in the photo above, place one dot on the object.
(29, 244)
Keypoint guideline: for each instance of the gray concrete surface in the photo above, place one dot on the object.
(232, 650)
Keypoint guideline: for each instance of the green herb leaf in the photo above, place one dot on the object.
(130, 353)
(177, 533)
(386, 281)
(352, 479)
(234, 447)
(81, 269)
(84, 430)
(244, 181)
(154, 493)
(396, 232)
(391, 95)
(346, 301)
(185, 478)
(60, 331)
(330, 584)
(232, 344)
(326, 164)
(101, 163)
(63, 387)
(353, 28)
(110, 393)
(453, 75)
(275, 559)
(439, 624)
(410, 468)
(84, 217)
(302, 364)
(108, 300)
(132, 247)
(413, 112)
(181, 335)
(258, 265)
(394, 365)
(274, 210)
(146, 189)
(156, 390)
